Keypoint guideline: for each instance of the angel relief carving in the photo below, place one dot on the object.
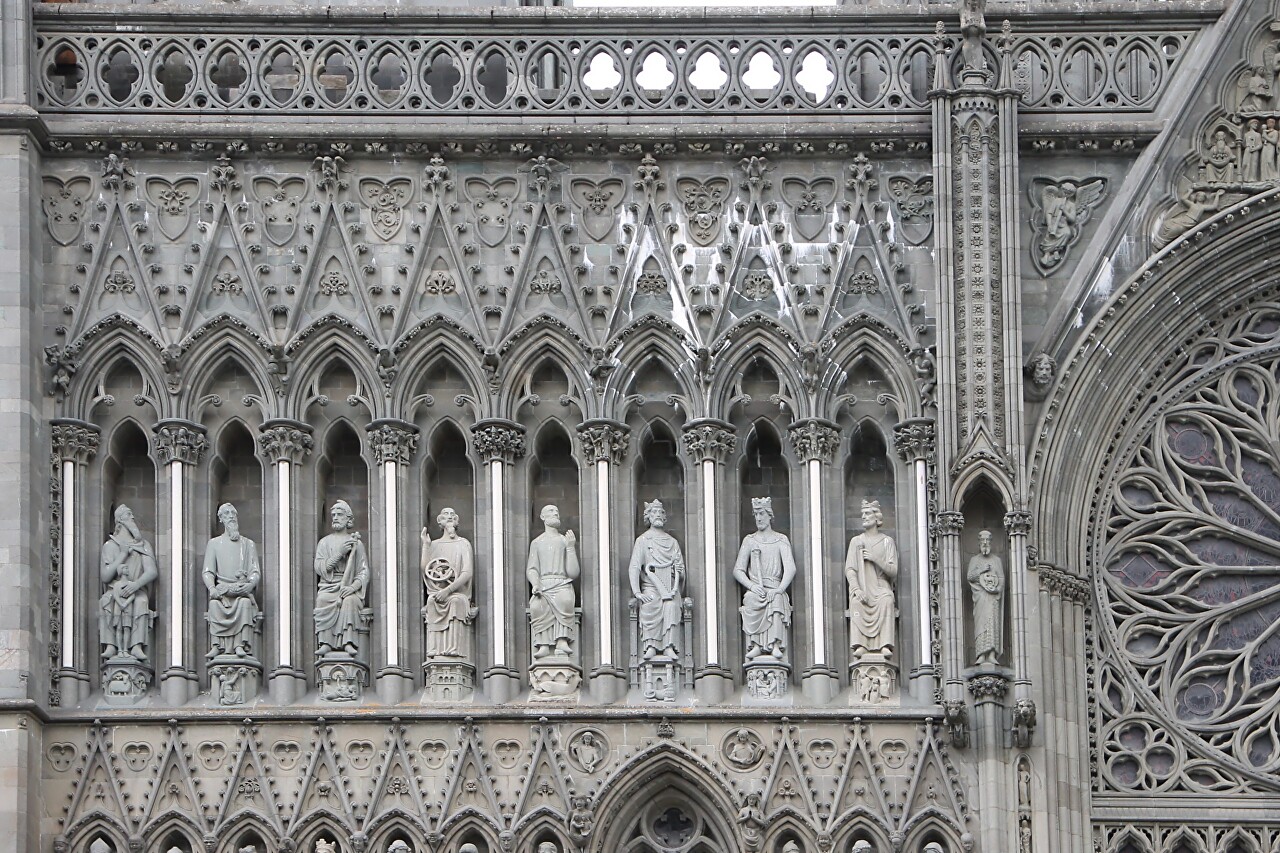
(1059, 210)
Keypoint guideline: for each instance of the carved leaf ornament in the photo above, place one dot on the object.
(1191, 578)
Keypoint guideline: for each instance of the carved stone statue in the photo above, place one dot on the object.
(553, 619)
(1198, 204)
(973, 27)
(871, 568)
(765, 568)
(447, 568)
(128, 569)
(1219, 166)
(231, 576)
(657, 581)
(342, 573)
(986, 582)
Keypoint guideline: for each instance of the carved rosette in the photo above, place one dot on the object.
(914, 439)
(73, 440)
(498, 439)
(179, 441)
(709, 439)
(393, 441)
(988, 686)
(813, 438)
(601, 439)
(1018, 522)
(285, 441)
(949, 523)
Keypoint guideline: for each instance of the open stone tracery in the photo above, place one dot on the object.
(484, 429)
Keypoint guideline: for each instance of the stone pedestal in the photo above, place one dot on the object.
(448, 680)
(768, 680)
(125, 680)
(873, 681)
(234, 680)
(659, 678)
(554, 682)
(342, 678)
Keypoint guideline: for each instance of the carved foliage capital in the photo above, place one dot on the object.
(1018, 522)
(284, 442)
(605, 440)
(179, 441)
(393, 441)
(988, 686)
(914, 439)
(709, 440)
(949, 523)
(496, 439)
(75, 441)
(1064, 584)
(814, 439)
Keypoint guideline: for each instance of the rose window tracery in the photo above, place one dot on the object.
(1190, 581)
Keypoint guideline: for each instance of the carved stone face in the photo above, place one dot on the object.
(763, 517)
(230, 521)
(984, 543)
(1042, 372)
(339, 518)
(657, 518)
(870, 519)
(551, 517)
(448, 520)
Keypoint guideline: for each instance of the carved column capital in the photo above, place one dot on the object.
(393, 440)
(814, 438)
(74, 440)
(285, 441)
(603, 439)
(1064, 584)
(949, 523)
(914, 439)
(1018, 522)
(497, 438)
(179, 441)
(708, 438)
(988, 686)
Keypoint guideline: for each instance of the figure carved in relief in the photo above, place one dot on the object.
(1219, 166)
(765, 567)
(973, 27)
(342, 569)
(447, 569)
(1198, 203)
(986, 583)
(231, 575)
(657, 581)
(871, 568)
(1270, 168)
(1251, 164)
(1060, 210)
(128, 568)
(552, 569)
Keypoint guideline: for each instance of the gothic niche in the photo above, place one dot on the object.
(986, 587)
(126, 588)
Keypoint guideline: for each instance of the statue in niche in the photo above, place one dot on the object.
(128, 568)
(765, 567)
(342, 569)
(973, 28)
(871, 568)
(552, 569)
(657, 582)
(231, 575)
(986, 582)
(447, 568)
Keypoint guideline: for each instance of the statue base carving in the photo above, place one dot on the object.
(448, 681)
(554, 682)
(659, 678)
(768, 680)
(873, 681)
(233, 680)
(342, 678)
(125, 680)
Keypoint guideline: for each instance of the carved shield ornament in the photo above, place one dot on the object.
(912, 200)
(703, 203)
(64, 206)
(281, 202)
(491, 205)
(386, 201)
(598, 202)
(172, 201)
(1059, 210)
(810, 203)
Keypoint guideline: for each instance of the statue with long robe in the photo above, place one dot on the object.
(552, 569)
(871, 568)
(765, 567)
(128, 568)
(986, 583)
(447, 566)
(657, 577)
(231, 575)
(342, 572)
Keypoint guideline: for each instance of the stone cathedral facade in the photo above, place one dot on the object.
(485, 429)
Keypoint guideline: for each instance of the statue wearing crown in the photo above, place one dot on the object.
(765, 568)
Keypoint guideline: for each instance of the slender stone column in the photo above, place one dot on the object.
(708, 443)
(394, 443)
(1018, 525)
(75, 443)
(949, 525)
(283, 444)
(815, 442)
(498, 443)
(914, 441)
(604, 446)
(179, 445)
